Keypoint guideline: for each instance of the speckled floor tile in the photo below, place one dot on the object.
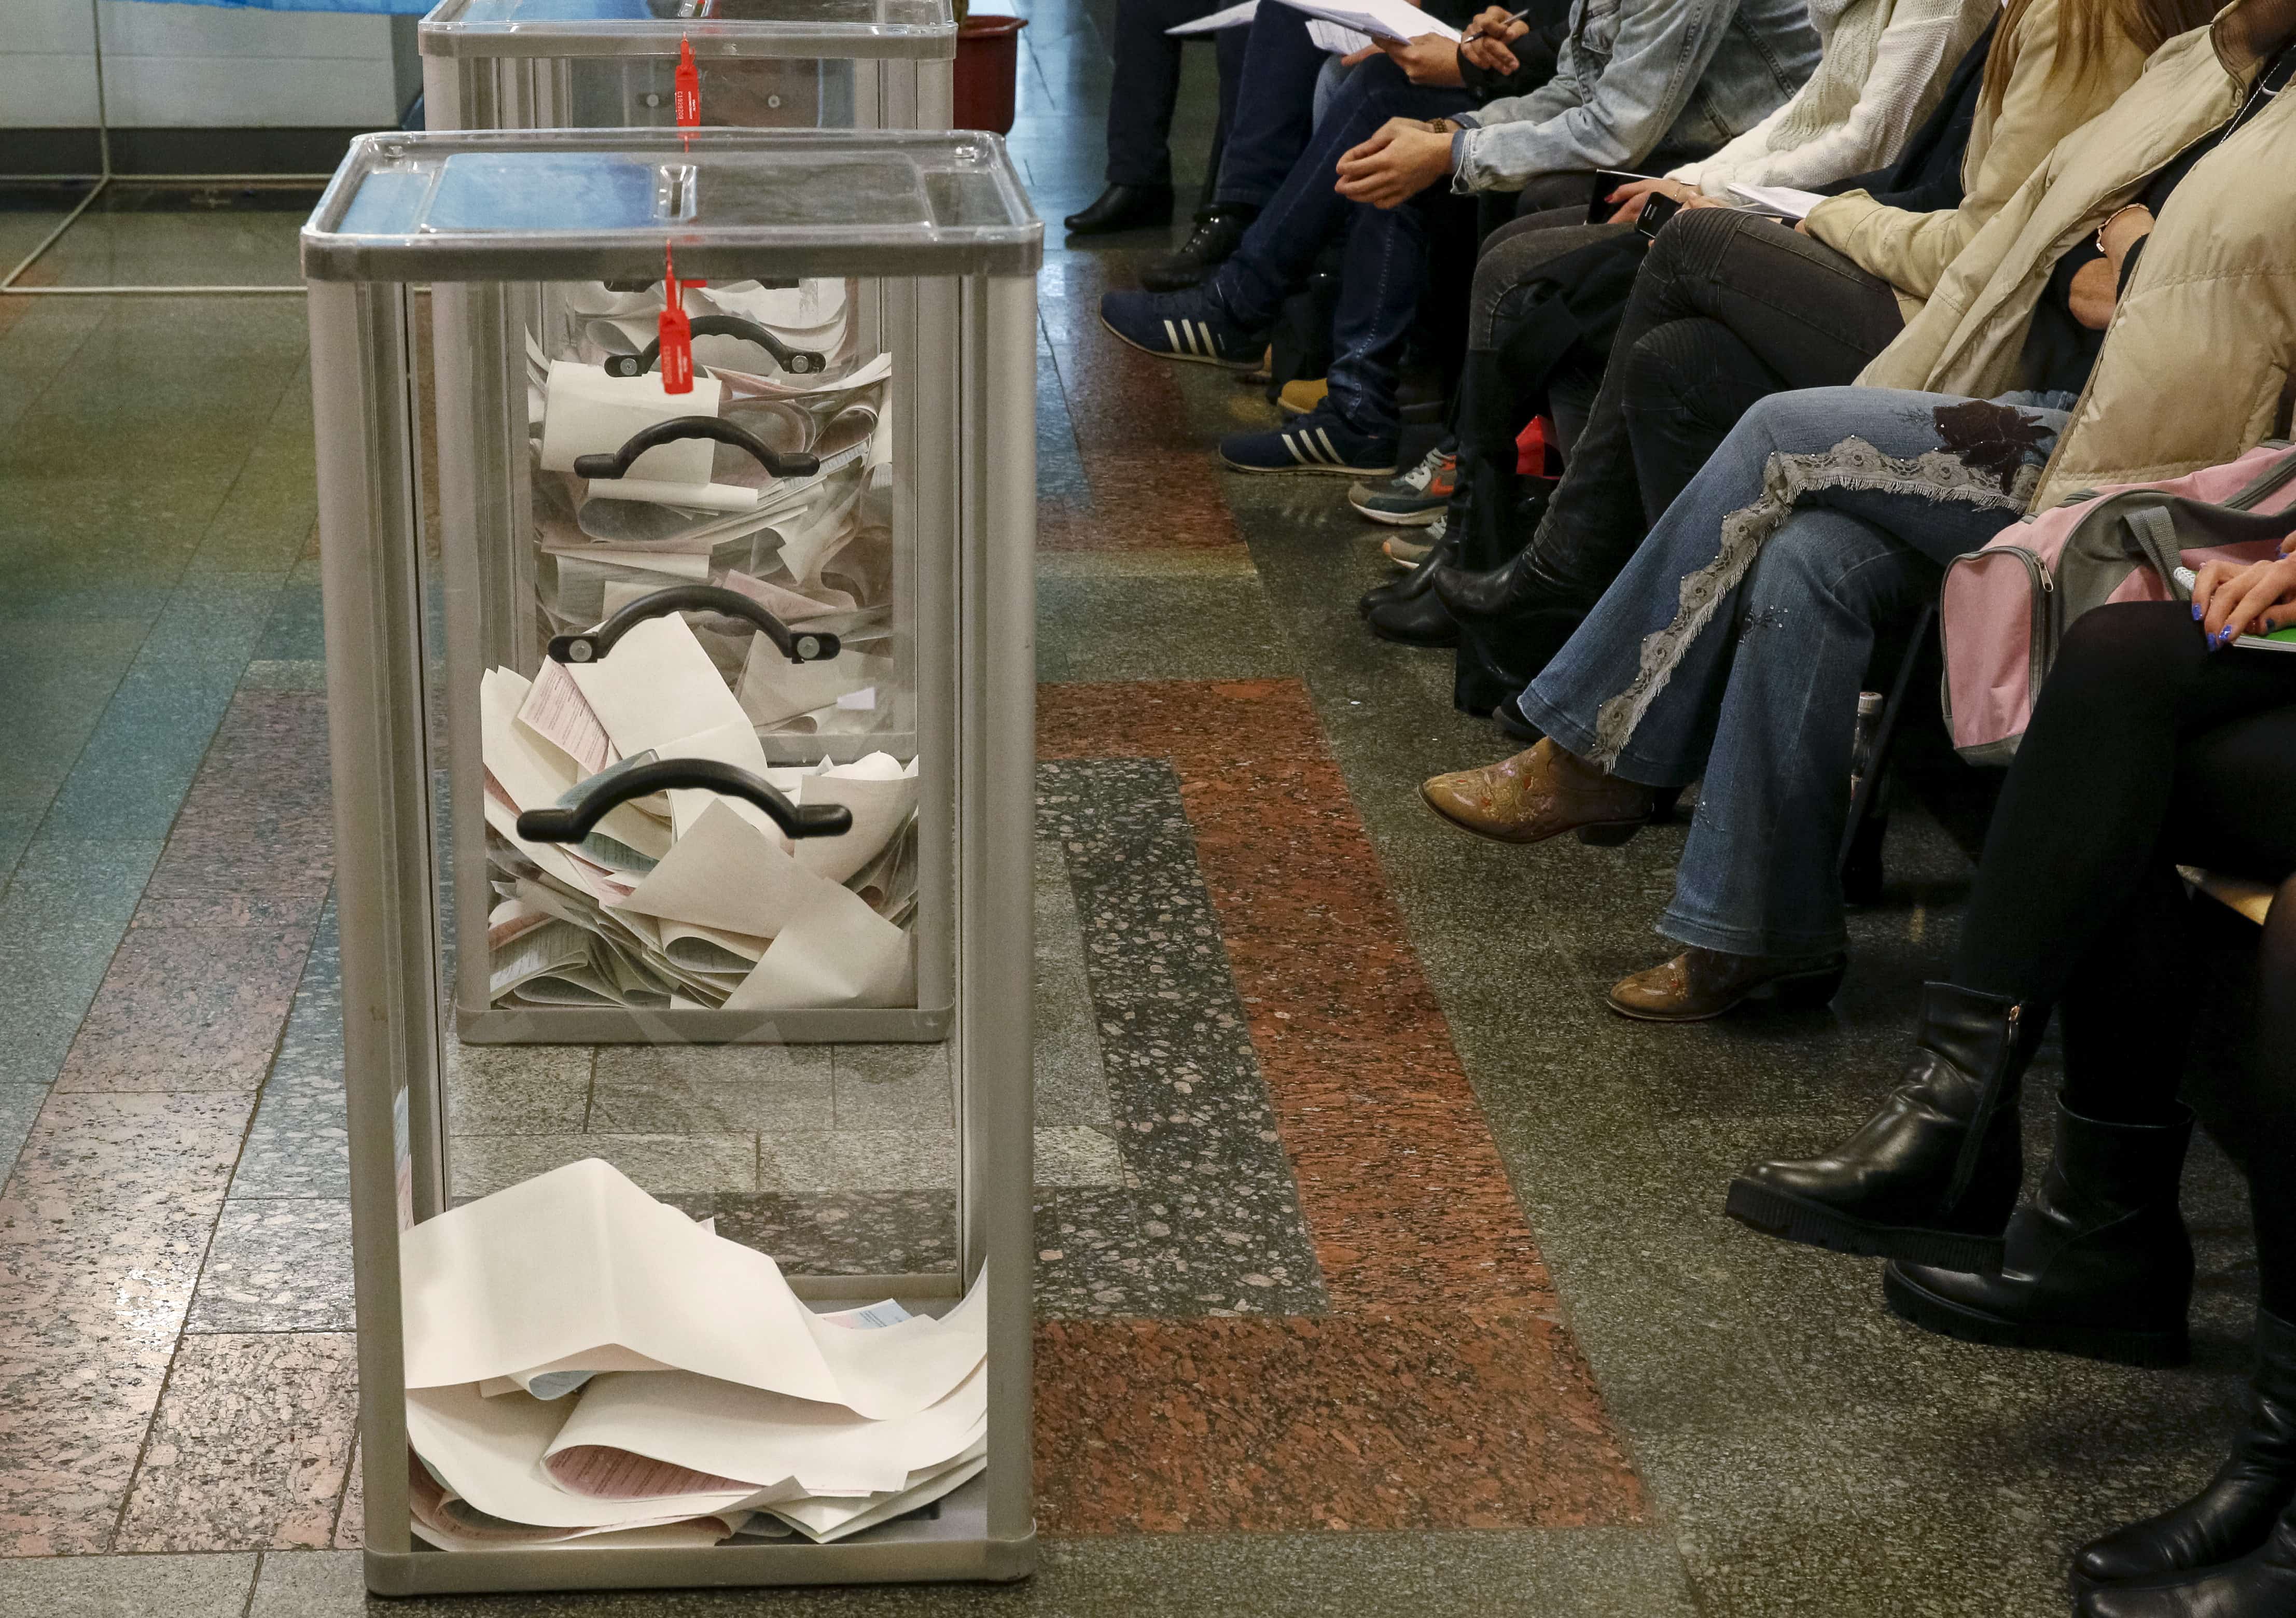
(20, 1104)
(310, 1584)
(1072, 1080)
(479, 1164)
(259, 819)
(885, 1087)
(1197, 1134)
(61, 916)
(127, 1586)
(298, 1146)
(1479, 1418)
(1396, 1175)
(248, 1449)
(187, 1008)
(845, 1233)
(102, 1228)
(350, 1518)
(516, 1089)
(277, 1264)
(645, 1090)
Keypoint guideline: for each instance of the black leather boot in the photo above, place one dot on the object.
(2097, 1264)
(1218, 232)
(2261, 1584)
(2231, 1518)
(1932, 1175)
(1123, 207)
(1415, 620)
(1411, 584)
(1510, 622)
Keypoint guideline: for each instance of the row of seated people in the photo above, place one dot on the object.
(2056, 252)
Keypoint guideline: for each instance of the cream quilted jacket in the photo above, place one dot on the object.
(2196, 364)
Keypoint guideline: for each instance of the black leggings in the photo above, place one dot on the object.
(2148, 750)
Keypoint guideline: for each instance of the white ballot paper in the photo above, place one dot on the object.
(1378, 18)
(1233, 17)
(835, 952)
(655, 687)
(587, 412)
(1782, 200)
(580, 1270)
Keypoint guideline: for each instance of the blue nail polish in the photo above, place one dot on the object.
(2196, 609)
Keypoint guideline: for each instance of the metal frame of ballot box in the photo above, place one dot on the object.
(540, 64)
(942, 225)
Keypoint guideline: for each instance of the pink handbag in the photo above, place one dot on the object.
(2005, 608)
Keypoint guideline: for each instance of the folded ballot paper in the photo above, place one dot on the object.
(586, 1364)
(1377, 20)
(689, 898)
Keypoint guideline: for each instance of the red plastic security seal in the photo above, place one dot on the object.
(676, 331)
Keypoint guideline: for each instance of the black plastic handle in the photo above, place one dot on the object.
(797, 362)
(797, 464)
(573, 823)
(798, 645)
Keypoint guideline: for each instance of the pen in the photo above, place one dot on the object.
(1473, 34)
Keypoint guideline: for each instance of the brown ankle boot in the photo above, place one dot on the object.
(1538, 794)
(1701, 983)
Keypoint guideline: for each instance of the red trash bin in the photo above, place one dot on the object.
(988, 72)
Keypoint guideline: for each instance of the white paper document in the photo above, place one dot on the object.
(1781, 200)
(587, 412)
(1233, 17)
(1378, 19)
(579, 1269)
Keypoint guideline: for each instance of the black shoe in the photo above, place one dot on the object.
(1930, 1178)
(1123, 207)
(1414, 583)
(1419, 621)
(1516, 725)
(2261, 1584)
(2097, 1264)
(1511, 622)
(1219, 232)
(2229, 1519)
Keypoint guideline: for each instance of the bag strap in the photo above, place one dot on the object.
(2155, 533)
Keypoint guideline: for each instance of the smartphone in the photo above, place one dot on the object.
(1599, 206)
(1657, 208)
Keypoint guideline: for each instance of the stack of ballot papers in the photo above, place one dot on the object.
(585, 1364)
(1373, 20)
(688, 898)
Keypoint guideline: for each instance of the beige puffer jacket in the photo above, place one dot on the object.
(2040, 105)
(2195, 364)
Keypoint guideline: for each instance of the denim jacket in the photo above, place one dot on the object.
(1641, 82)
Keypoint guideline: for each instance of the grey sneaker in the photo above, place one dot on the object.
(1407, 553)
(1415, 498)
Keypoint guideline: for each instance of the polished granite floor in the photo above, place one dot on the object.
(1379, 1267)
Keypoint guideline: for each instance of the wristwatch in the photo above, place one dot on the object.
(1441, 126)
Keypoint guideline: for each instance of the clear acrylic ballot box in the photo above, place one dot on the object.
(758, 64)
(682, 716)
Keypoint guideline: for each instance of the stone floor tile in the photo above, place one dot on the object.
(1072, 1082)
(702, 1089)
(883, 1086)
(102, 1228)
(126, 1586)
(1076, 1154)
(310, 1584)
(61, 916)
(277, 1264)
(248, 1449)
(188, 1008)
(298, 1146)
(350, 1520)
(20, 1104)
(517, 1089)
(838, 1233)
(479, 1164)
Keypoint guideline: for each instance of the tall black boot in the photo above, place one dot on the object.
(1510, 622)
(2097, 1264)
(2231, 1519)
(1932, 1175)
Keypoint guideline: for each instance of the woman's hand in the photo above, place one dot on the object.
(1428, 60)
(2122, 232)
(1401, 160)
(1629, 197)
(1484, 43)
(2231, 600)
(2096, 290)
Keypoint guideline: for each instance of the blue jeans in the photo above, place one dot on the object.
(1275, 107)
(1732, 645)
(1386, 263)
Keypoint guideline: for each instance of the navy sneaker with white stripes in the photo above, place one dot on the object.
(1316, 442)
(1189, 325)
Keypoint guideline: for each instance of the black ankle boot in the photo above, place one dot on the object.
(1931, 1177)
(1218, 232)
(1123, 207)
(2097, 1264)
(1415, 620)
(2259, 1584)
(2228, 1520)
(1412, 584)
(1510, 622)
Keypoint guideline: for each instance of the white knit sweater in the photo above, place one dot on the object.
(1885, 64)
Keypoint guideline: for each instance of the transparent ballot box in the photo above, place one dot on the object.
(757, 64)
(676, 508)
